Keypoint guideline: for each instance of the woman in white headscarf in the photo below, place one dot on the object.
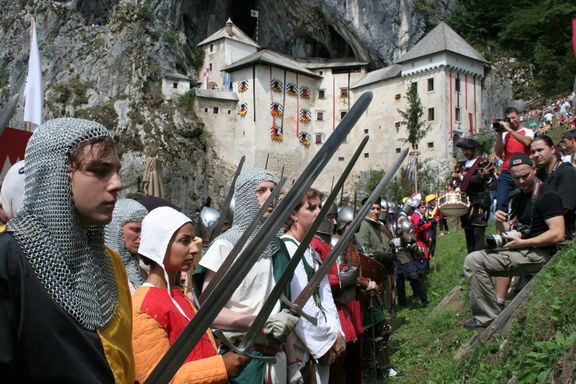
(161, 311)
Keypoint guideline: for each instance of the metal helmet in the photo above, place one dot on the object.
(384, 211)
(345, 216)
(410, 205)
(392, 206)
(207, 220)
(327, 225)
(405, 229)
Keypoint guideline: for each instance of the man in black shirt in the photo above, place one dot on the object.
(558, 175)
(536, 208)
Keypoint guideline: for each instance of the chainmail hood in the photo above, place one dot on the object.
(247, 207)
(125, 211)
(69, 261)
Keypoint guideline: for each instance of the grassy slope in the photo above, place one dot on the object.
(424, 346)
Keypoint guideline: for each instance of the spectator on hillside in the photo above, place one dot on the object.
(537, 212)
(512, 138)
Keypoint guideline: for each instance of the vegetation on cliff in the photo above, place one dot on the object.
(533, 37)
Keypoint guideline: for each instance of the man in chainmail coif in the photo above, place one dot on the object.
(65, 304)
(123, 236)
(252, 189)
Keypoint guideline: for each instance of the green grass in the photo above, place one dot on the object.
(539, 348)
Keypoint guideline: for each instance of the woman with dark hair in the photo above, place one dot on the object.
(161, 311)
(325, 341)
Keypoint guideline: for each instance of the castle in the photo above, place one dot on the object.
(278, 110)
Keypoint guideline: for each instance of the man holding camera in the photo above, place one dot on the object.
(537, 217)
(512, 138)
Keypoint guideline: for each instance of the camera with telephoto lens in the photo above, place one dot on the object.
(496, 124)
(497, 241)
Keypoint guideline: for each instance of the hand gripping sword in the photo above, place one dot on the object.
(316, 279)
(224, 289)
(228, 200)
(288, 273)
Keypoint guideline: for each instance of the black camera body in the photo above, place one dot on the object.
(496, 124)
(497, 241)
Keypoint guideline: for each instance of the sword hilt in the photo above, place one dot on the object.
(241, 350)
(297, 310)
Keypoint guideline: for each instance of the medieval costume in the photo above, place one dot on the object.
(125, 211)
(258, 283)
(64, 292)
(161, 314)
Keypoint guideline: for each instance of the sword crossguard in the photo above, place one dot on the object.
(297, 310)
(241, 350)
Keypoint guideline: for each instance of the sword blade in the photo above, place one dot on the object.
(228, 200)
(316, 279)
(221, 272)
(288, 273)
(173, 359)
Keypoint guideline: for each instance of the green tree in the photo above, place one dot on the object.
(535, 32)
(415, 127)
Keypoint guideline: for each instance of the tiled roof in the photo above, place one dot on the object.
(442, 38)
(271, 58)
(237, 35)
(389, 72)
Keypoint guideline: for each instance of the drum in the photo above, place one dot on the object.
(454, 203)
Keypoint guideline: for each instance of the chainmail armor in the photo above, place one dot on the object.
(246, 208)
(70, 262)
(125, 211)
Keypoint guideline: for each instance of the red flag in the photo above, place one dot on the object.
(574, 36)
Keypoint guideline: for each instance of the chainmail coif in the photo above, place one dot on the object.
(125, 211)
(247, 207)
(69, 261)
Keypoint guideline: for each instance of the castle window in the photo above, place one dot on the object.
(430, 114)
(174, 85)
(342, 114)
(457, 114)
(457, 85)
(321, 93)
(319, 115)
(366, 155)
(341, 158)
(210, 65)
(430, 84)
(398, 150)
(343, 92)
(211, 47)
(215, 110)
(318, 138)
(431, 144)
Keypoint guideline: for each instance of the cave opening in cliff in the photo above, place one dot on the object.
(241, 14)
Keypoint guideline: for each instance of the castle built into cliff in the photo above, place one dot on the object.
(277, 110)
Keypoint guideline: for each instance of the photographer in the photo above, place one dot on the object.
(512, 138)
(537, 215)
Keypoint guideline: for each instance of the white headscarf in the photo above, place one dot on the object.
(158, 228)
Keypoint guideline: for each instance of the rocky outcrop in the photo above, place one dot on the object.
(104, 59)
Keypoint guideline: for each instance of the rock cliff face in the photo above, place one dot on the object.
(104, 60)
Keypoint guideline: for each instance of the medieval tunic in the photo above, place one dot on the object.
(317, 339)
(41, 343)
(157, 325)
